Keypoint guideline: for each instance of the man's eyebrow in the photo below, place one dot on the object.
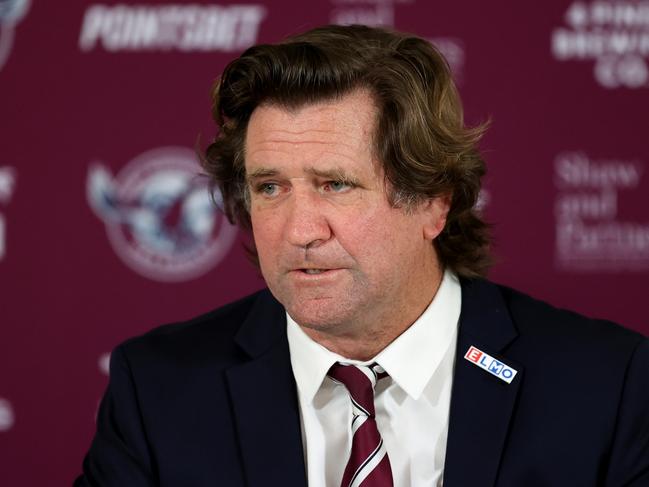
(336, 174)
(261, 172)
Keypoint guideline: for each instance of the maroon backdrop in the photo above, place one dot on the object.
(106, 230)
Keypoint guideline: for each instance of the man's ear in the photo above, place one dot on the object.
(437, 211)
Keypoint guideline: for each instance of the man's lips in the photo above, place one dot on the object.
(314, 270)
(307, 272)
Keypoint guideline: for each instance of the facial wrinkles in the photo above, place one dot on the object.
(330, 255)
(322, 123)
(329, 156)
(287, 145)
(344, 139)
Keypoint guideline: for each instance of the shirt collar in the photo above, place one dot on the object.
(411, 359)
(310, 360)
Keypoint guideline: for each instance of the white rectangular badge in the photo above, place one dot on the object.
(490, 364)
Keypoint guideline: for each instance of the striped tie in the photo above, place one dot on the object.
(368, 464)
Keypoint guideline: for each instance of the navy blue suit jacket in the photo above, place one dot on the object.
(212, 402)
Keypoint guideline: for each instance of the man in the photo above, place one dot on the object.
(379, 356)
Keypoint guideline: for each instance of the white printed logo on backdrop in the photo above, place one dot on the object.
(592, 234)
(7, 184)
(484, 199)
(103, 363)
(367, 12)
(7, 417)
(181, 27)
(11, 12)
(381, 13)
(453, 50)
(613, 34)
(159, 216)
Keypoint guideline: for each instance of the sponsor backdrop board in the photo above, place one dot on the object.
(106, 227)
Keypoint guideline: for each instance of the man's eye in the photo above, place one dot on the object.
(337, 186)
(268, 189)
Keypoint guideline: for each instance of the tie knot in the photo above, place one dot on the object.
(360, 381)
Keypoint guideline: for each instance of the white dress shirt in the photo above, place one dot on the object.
(412, 405)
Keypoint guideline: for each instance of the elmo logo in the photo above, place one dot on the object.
(488, 363)
(159, 216)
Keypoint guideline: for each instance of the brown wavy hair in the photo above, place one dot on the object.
(420, 139)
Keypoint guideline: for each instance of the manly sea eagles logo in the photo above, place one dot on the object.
(159, 216)
(11, 12)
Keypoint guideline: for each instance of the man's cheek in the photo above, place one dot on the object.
(265, 234)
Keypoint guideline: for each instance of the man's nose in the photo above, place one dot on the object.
(306, 223)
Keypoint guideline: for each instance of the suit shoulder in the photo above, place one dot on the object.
(209, 336)
(539, 319)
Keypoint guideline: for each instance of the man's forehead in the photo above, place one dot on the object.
(352, 113)
(336, 133)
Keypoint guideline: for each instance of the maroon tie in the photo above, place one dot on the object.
(368, 464)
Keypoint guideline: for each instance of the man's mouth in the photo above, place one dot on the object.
(314, 271)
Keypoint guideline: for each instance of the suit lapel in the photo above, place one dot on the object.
(264, 401)
(481, 404)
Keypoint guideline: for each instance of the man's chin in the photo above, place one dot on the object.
(319, 314)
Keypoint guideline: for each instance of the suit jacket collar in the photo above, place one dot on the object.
(264, 400)
(485, 316)
(481, 404)
(264, 326)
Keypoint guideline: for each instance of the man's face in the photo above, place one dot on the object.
(331, 248)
